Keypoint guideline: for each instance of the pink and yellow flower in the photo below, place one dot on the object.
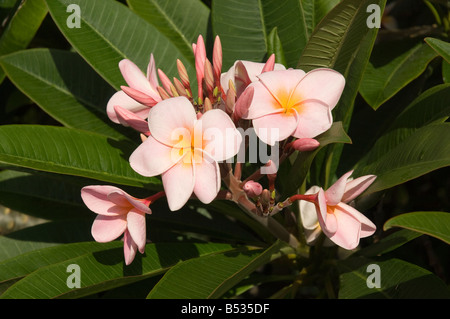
(291, 103)
(185, 150)
(331, 213)
(118, 213)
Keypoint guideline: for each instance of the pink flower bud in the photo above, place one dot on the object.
(305, 144)
(270, 64)
(253, 189)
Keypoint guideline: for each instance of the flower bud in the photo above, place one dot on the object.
(305, 144)
(253, 189)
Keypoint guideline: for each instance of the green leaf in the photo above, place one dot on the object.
(202, 220)
(430, 107)
(24, 264)
(435, 224)
(390, 71)
(104, 270)
(420, 153)
(70, 152)
(388, 243)
(441, 47)
(109, 32)
(243, 27)
(302, 163)
(241, 30)
(22, 27)
(44, 235)
(343, 42)
(315, 10)
(217, 274)
(288, 17)
(44, 196)
(398, 280)
(64, 86)
(181, 21)
(275, 47)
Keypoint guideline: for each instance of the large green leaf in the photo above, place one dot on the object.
(343, 42)
(181, 21)
(71, 152)
(398, 280)
(42, 195)
(211, 276)
(436, 224)
(288, 17)
(44, 235)
(420, 153)
(109, 32)
(315, 10)
(388, 243)
(103, 270)
(24, 264)
(430, 107)
(64, 86)
(22, 27)
(201, 221)
(390, 70)
(298, 171)
(243, 27)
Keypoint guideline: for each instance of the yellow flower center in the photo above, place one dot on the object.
(288, 100)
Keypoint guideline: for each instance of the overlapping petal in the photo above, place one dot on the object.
(325, 85)
(136, 79)
(220, 139)
(336, 191)
(314, 118)
(275, 127)
(121, 99)
(153, 158)
(108, 228)
(356, 187)
(178, 183)
(171, 120)
(207, 178)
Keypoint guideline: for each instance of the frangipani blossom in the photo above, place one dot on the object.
(291, 103)
(340, 222)
(185, 149)
(118, 213)
(140, 94)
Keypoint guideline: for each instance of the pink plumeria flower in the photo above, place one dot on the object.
(118, 213)
(291, 103)
(140, 94)
(340, 222)
(185, 149)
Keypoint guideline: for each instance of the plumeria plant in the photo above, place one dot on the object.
(214, 149)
